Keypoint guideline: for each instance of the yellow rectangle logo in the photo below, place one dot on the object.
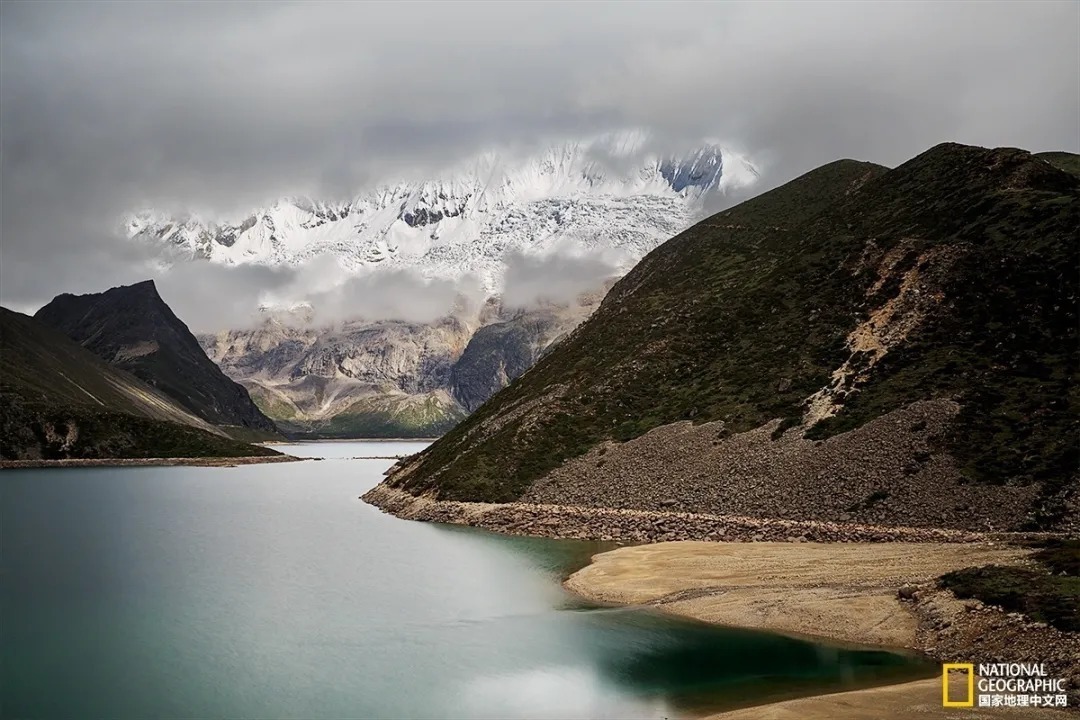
(970, 699)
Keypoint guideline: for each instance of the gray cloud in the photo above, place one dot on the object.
(105, 107)
(556, 277)
(391, 295)
(211, 297)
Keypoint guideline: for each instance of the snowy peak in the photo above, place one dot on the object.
(605, 193)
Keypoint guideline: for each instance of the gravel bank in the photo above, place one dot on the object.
(890, 471)
(645, 526)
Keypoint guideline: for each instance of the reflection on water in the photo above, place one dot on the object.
(713, 669)
(271, 591)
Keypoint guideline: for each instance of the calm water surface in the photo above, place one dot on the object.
(271, 591)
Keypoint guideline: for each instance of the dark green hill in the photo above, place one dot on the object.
(58, 400)
(132, 328)
(1067, 161)
(832, 306)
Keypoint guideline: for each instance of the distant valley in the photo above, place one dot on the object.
(388, 378)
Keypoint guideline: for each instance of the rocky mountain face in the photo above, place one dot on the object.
(59, 400)
(864, 345)
(387, 378)
(132, 328)
(607, 192)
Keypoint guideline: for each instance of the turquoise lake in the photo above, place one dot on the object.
(272, 591)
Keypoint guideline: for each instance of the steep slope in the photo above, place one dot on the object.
(387, 378)
(880, 346)
(132, 328)
(58, 400)
(606, 192)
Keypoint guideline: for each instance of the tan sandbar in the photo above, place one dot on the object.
(840, 591)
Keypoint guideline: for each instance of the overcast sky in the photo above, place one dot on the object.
(108, 107)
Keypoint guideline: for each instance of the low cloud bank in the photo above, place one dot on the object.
(558, 277)
(211, 297)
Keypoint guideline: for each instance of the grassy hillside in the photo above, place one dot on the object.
(58, 400)
(962, 263)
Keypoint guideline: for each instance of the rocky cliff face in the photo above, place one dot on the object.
(503, 350)
(388, 378)
(132, 328)
(860, 345)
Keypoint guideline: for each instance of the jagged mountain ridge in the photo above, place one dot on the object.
(59, 400)
(388, 378)
(132, 328)
(861, 344)
(603, 193)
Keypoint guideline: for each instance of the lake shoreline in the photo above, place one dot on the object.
(882, 595)
(927, 620)
(148, 462)
(650, 526)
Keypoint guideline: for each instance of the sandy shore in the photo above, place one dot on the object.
(149, 462)
(841, 592)
(919, 700)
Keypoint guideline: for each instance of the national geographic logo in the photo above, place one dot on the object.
(969, 697)
(1001, 685)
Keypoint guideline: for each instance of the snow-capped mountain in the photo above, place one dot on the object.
(605, 193)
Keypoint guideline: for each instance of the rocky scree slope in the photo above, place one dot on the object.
(861, 344)
(58, 400)
(132, 328)
(387, 378)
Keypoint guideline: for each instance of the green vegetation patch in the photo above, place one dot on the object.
(1067, 161)
(273, 407)
(1049, 593)
(1060, 556)
(383, 418)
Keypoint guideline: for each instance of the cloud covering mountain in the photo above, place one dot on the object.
(218, 109)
